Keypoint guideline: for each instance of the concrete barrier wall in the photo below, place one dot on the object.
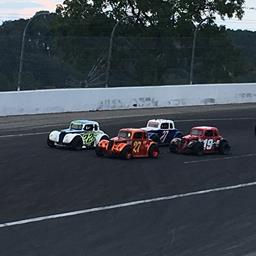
(70, 100)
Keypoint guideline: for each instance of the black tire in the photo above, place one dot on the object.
(224, 148)
(99, 152)
(50, 143)
(77, 143)
(198, 149)
(126, 153)
(153, 151)
(155, 138)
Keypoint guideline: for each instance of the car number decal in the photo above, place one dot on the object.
(208, 144)
(88, 138)
(136, 146)
(164, 135)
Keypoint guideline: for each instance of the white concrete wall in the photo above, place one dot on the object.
(70, 100)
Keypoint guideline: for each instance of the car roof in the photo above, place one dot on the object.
(161, 120)
(205, 128)
(84, 121)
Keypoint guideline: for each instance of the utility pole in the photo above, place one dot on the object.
(23, 45)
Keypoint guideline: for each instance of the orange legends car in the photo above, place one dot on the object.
(130, 143)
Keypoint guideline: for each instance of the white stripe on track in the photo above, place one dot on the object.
(220, 158)
(128, 204)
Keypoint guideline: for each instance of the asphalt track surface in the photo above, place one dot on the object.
(38, 181)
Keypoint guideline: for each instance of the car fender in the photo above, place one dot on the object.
(119, 147)
(54, 136)
(223, 140)
(192, 143)
(69, 137)
(151, 143)
(154, 136)
(103, 144)
(178, 134)
(99, 137)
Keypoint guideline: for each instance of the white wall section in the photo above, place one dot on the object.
(71, 100)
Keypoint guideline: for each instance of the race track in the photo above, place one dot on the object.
(36, 181)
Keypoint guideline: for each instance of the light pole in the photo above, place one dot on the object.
(23, 45)
(110, 50)
(193, 51)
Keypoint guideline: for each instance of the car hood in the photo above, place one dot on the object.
(190, 137)
(119, 140)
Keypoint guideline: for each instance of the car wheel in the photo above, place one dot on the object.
(224, 148)
(126, 153)
(98, 151)
(77, 143)
(153, 151)
(198, 149)
(50, 143)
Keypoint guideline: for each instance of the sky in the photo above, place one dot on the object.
(17, 9)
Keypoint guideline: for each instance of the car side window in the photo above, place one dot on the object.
(208, 133)
(88, 127)
(171, 125)
(96, 127)
(138, 135)
(164, 126)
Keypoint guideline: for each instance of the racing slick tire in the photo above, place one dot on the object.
(224, 148)
(50, 143)
(99, 152)
(153, 151)
(77, 143)
(198, 149)
(126, 153)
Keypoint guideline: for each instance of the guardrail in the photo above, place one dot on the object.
(71, 100)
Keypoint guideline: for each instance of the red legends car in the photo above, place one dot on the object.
(130, 143)
(201, 140)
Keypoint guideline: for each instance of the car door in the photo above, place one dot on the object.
(138, 144)
(164, 135)
(208, 141)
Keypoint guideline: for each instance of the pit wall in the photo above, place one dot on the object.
(85, 99)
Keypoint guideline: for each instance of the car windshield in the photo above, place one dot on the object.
(124, 134)
(196, 132)
(153, 124)
(76, 126)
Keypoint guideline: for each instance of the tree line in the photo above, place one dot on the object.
(152, 45)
